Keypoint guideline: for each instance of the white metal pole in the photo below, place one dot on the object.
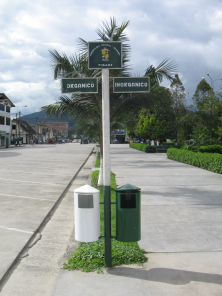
(106, 166)
(106, 127)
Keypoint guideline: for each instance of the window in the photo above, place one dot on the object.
(8, 121)
(2, 107)
(8, 109)
(2, 120)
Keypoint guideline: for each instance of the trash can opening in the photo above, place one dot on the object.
(128, 201)
(85, 201)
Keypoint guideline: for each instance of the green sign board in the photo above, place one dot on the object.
(105, 55)
(130, 85)
(79, 85)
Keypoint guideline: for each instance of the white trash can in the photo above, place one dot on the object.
(87, 213)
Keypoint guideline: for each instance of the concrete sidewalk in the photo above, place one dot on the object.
(33, 181)
(181, 231)
(181, 227)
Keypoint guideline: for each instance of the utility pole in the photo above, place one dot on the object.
(16, 125)
(212, 86)
(36, 127)
(19, 123)
(18, 115)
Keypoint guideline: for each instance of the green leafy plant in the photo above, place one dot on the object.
(200, 136)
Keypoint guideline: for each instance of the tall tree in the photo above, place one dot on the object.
(208, 105)
(87, 108)
(159, 102)
(149, 127)
(179, 103)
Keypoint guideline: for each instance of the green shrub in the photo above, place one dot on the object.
(184, 147)
(168, 144)
(150, 149)
(193, 148)
(208, 161)
(138, 146)
(211, 149)
(143, 147)
(206, 149)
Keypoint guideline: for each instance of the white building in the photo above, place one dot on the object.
(22, 131)
(5, 120)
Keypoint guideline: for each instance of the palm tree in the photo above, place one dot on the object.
(87, 108)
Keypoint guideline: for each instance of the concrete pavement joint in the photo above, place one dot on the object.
(16, 229)
(11, 195)
(30, 182)
(36, 173)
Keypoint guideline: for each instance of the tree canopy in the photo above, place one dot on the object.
(86, 108)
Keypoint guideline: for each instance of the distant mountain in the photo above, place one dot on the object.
(41, 117)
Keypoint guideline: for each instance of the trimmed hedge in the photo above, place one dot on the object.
(211, 149)
(170, 144)
(150, 149)
(207, 161)
(138, 146)
(143, 147)
(193, 148)
(206, 149)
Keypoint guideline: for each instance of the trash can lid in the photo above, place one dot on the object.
(86, 189)
(128, 187)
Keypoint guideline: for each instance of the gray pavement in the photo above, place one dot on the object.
(181, 231)
(181, 204)
(32, 182)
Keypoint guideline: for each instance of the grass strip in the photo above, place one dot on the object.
(97, 164)
(91, 256)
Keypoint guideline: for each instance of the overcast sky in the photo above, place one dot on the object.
(189, 32)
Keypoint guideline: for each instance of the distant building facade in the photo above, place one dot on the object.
(54, 129)
(48, 130)
(22, 129)
(5, 120)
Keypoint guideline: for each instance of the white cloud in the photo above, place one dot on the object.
(188, 32)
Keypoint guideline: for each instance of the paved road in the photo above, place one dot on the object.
(32, 180)
(181, 225)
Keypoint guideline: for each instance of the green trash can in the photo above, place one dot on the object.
(128, 213)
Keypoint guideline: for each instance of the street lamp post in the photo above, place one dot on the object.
(18, 115)
(212, 86)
